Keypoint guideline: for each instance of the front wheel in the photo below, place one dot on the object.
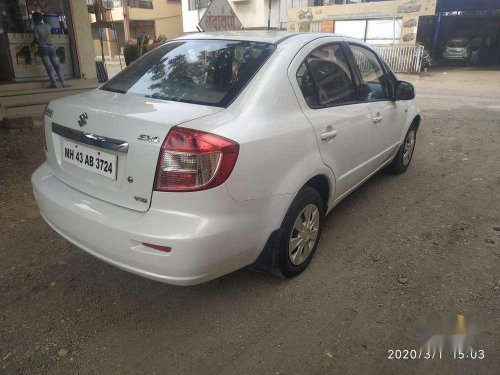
(403, 158)
(300, 232)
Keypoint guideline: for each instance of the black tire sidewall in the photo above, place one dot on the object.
(304, 197)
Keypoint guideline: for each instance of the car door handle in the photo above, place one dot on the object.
(328, 135)
(378, 118)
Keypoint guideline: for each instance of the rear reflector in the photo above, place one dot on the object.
(166, 249)
(192, 160)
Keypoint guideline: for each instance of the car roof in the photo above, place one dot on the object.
(264, 36)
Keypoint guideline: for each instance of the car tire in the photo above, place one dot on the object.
(402, 160)
(300, 230)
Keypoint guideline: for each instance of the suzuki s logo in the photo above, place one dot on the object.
(83, 119)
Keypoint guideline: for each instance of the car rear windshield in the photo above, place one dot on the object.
(209, 72)
(457, 43)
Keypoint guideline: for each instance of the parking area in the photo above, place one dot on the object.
(398, 250)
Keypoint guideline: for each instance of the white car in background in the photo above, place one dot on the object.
(458, 49)
(218, 151)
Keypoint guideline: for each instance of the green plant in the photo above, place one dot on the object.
(130, 52)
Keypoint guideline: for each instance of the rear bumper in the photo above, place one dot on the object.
(210, 234)
(456, 57)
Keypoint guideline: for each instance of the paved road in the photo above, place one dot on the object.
(398, 251)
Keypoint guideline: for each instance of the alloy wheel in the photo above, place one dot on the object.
(409, 147)
(304, 234)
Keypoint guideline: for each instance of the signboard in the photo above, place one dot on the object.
(381, 9)
(26, 61)
(409, 29)
(326, 27)
(220, 17)
(409, 11)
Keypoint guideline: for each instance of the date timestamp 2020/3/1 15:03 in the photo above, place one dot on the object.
(408, 354)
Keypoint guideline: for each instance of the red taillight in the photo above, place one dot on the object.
(165, 249)
(192, 160)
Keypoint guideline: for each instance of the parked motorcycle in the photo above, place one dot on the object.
(427, 61)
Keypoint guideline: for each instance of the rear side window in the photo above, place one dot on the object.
(328, 77)
(306, 86)
(458, 43)
(210, 72)
(375, 84)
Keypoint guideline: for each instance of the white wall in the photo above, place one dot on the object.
(190, 18)
(284, 5)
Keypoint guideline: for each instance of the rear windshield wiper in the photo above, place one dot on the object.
(113, 90)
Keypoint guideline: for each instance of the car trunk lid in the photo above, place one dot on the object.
(106, 144)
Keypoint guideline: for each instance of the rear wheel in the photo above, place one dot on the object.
(403, 158)
(301, 231)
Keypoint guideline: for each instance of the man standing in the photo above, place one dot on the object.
(43, 37)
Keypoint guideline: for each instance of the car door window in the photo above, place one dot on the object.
(325, 77)
(374, 80)
(392, 81)
(306, 86)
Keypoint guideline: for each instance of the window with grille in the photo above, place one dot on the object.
(377, 31)
(143, 4)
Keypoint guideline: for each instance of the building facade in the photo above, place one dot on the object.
(433, 24)
(23, 78)
(20, 62)
(133, 18)
(384, 22)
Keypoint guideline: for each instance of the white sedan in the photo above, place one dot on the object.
(218, 151)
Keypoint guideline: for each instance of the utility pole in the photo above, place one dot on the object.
(269, 17)
(126, 19)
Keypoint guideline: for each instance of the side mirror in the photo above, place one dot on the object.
(404, 91)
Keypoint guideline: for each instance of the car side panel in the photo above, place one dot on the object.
(278, 148)
(347, 154)
(411, 114)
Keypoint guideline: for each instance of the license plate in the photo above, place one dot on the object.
(90, 159)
